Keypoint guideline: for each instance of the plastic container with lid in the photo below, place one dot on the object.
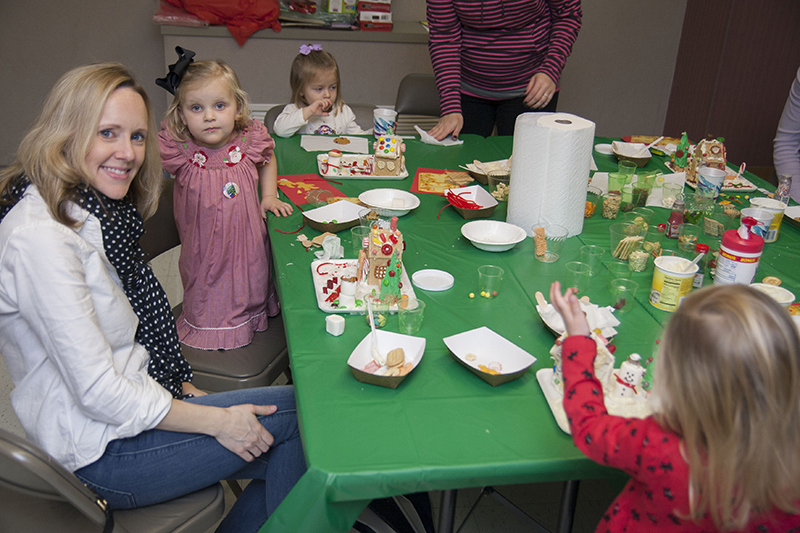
(675, 218)
(739, 254)
(701, 248)
(783, 192)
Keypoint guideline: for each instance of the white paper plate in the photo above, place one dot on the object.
(382, 201)
(604, 149)
(432, 280)
(493, 235)
(555, 400)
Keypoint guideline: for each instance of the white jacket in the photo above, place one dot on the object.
(67, 336)
(290, 121)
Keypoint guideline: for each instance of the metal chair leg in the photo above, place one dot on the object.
(235, 487)
(447, 511)
(569, 498)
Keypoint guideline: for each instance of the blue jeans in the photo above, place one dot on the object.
(156, 466)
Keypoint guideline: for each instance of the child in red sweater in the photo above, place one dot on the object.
(721, 452)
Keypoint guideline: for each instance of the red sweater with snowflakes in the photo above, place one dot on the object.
(657, 495)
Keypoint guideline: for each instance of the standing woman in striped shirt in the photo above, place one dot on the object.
(496, 59)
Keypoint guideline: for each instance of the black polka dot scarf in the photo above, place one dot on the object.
(122, 228)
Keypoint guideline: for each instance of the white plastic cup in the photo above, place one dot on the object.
(671, 283)
(385, 121)
(710, 178)
(763, 219)
(776, 207)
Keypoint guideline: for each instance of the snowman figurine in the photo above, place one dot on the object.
(628, 378)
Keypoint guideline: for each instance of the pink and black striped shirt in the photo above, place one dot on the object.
(492, 48)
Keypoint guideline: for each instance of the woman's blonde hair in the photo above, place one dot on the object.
(305, 67)
(53, 152)
(728, 380)
(198, 74)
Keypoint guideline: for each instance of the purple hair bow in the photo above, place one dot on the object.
(306, 49)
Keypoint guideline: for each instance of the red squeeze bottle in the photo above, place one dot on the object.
(675, 219)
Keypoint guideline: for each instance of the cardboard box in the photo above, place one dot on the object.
(375, 17)
(381, 6)
(375, 21)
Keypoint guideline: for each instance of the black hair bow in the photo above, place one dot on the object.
(176, 71)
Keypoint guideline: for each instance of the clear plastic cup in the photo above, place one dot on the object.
(593, 256)
(577, 276)
(623, 292)
(410, 312)
(549, 250)
(490, 279)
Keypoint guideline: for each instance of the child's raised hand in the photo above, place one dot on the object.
(570, 310)
(276, 206)
(318, 108)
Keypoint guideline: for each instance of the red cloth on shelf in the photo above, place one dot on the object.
(242, 17)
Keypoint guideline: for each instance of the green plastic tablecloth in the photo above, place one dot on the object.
(443, 427)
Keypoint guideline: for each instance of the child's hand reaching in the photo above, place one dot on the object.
(276, 206)
(570, 310)
(318, 108)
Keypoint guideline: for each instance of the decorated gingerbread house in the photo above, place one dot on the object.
(709, 152)
(389, 159)
(381, 262)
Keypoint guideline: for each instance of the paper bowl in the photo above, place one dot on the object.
(477, 194)
(482, 177)
(491, 351)
(631, 152)
(414, 348)
(783, 296)
(493, 235)
(333, 217)
(389, 202)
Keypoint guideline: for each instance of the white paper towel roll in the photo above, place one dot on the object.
(550, 170)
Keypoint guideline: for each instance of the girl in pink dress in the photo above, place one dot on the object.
(220, 157)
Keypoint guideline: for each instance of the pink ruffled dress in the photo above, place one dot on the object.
(225, 261)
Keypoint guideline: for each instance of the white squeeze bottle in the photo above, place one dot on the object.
(739, 255)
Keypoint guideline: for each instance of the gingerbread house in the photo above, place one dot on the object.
(709, 152)
(381, 262)
(389, 159)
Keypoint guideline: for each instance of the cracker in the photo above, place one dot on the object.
(539, 241)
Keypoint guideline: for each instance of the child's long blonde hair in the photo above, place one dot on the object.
(305, 67)
(198, 74)
(728, 378)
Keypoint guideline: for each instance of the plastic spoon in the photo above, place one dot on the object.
(694, 262)
(647, 148)
(376, 354)
(480, 167)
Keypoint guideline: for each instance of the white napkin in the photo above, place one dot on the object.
(428, 139)
(601, 318)
(656, 195)
(331, 248)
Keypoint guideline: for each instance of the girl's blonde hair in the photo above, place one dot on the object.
(305, 67)
(53, 152)
(198, 74)
(728, 379)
